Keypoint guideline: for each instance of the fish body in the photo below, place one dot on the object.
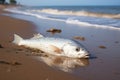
(55, 46)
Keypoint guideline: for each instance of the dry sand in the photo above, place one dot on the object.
(14, 63)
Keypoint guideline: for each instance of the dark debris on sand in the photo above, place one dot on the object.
(1, 46)
(14, 63)
(53, 30)
(79, 38)
(102, 47)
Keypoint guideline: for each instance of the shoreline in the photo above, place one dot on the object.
(14, 63)
(19, 63)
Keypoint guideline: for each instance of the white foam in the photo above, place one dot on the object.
(28, 12)
(71, 21)
(25, 13)
(78, 13)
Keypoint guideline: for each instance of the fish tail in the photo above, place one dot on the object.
(17, 39)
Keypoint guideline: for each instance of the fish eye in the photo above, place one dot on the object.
(77, 49)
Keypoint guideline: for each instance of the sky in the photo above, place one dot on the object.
(68, 2)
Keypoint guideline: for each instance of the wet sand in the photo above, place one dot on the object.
(14, 63)
(103, 45)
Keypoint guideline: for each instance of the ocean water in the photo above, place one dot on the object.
(92, 16)
(99, 25)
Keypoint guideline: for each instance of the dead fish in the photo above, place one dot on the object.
(55, 46)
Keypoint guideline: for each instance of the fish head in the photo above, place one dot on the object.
(75, 51)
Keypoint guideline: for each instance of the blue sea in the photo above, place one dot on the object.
(92, 16)
(99, 25)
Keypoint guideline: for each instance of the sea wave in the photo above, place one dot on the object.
(78, 13)
(81, 23)
(29, 13)
(68, 20)
(15, 10)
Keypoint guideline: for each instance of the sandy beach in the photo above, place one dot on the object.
(14, 63)
(100, 36)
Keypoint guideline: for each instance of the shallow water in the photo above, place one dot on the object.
(104, 62)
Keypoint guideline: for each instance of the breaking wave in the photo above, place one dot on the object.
(78, 13)
(67, 20)
(32, 14)
(71, 21)
(14, 10)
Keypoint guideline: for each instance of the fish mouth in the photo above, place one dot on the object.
(87, 56)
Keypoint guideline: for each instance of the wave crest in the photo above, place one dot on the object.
(72, 21)
(79, 13)
(69, 20)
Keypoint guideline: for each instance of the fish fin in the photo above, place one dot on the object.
(17, 39)
(37, 36)
(56, 49)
